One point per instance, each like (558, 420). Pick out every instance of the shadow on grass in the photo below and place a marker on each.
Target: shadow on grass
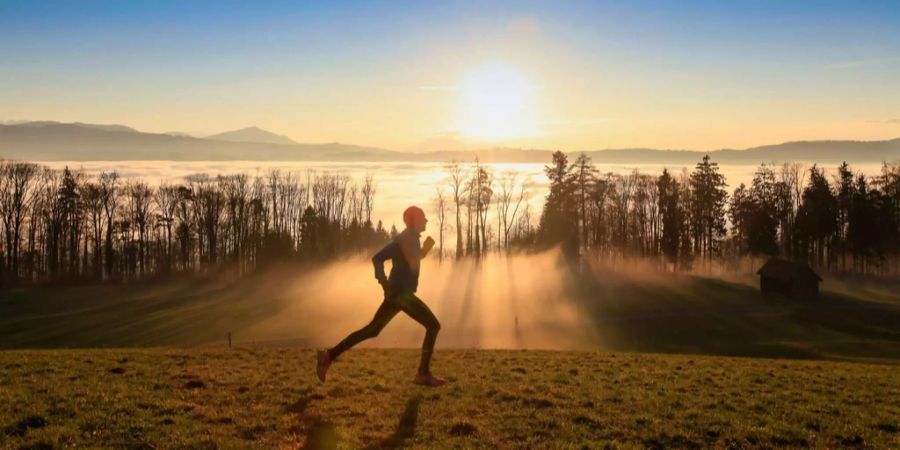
(139, 314)
(322, 434)
(406, 429)
(690, 314)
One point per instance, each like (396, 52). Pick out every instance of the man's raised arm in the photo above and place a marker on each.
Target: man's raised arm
(426, 247)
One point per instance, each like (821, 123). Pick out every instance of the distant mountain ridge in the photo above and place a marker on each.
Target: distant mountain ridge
(55, 141)
(44, 123)
(252, 134)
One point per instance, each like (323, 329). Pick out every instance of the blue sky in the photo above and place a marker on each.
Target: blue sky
(674, 74)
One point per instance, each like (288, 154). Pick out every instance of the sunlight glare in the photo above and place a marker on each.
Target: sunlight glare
(497, 104)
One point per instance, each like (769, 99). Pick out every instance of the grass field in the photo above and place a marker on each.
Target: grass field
(496, 308)
(268, 398)
(643, 359)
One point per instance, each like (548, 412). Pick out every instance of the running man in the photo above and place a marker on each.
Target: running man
(405, 253)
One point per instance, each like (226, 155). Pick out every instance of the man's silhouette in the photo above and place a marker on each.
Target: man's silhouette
(405, 252)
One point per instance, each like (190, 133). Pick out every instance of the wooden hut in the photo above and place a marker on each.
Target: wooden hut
(790, 278)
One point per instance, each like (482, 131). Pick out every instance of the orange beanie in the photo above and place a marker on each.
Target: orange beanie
(411, 214)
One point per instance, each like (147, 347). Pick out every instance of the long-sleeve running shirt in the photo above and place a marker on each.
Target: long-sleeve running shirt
(404, 251)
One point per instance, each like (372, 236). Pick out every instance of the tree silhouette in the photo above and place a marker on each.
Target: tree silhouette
(558, 220)
(65, 226)
(817, 218)
(671, 213)
(707, 207)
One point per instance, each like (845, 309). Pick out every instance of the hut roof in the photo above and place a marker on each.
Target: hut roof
(784, 270)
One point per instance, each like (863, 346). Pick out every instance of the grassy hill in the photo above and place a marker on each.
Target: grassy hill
(853, 319)
(270, 398)
(659, 369)
(660, 313)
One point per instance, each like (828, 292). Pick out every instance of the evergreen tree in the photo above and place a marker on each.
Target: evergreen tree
(669, 209)
(761, 221)
(845, 187)
(817, 218)
(309, 233)
(584, 176)
(558, 220)
(707, 206)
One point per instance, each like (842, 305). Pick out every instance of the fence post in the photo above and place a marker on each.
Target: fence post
(229, 340)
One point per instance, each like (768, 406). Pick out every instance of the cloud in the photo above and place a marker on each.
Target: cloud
(888, 121)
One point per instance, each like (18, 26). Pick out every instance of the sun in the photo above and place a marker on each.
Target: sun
(496, 104)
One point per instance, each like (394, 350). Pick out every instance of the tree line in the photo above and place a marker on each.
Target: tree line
(850, 223)
(66, 226)
(487, 211)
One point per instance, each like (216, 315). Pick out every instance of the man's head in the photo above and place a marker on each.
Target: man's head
(414, 218)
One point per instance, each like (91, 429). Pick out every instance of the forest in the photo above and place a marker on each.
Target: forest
(64, 226)
(846, 224)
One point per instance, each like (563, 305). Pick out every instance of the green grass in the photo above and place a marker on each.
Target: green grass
(126, 315)
(663, 368)
(688, 314)
(269, 398)
(657, 313)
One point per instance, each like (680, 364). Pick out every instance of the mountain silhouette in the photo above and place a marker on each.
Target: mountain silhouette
(45, 123)
(252, 134)
(55, 141)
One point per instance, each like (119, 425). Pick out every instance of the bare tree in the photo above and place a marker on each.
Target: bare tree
(480, 195)
(368, 195)
(16, 195)
(457, 188)
(584, 174)
(166, 200)
(109, 185)
(506, 209)
(139, 200)
(440, 206)
(93, 201)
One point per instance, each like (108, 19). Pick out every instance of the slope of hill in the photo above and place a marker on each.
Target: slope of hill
(252, 134)
(670, 314)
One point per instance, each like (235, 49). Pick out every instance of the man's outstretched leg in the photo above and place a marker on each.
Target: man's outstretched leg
(385, 313)
(419, 311)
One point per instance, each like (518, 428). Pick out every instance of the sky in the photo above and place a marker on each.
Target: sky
(449, 75)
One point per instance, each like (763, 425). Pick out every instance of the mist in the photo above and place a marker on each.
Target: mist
(398, 184)
(499, 301)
